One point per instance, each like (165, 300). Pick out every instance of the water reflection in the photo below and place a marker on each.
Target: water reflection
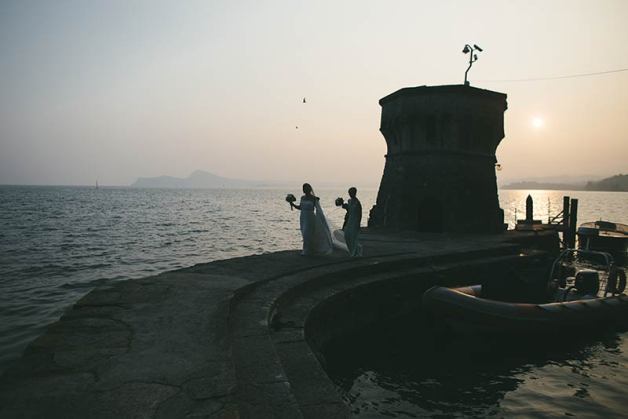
(410, 370)
(593, 205)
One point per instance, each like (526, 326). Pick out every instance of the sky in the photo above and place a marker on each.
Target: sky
(109, 91)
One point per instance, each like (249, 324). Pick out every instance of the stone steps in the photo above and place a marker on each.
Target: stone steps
(278, 373)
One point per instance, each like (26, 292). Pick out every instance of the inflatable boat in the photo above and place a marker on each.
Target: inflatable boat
(576, 303)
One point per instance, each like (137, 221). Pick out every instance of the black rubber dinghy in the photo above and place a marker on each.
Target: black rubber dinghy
(465, 310)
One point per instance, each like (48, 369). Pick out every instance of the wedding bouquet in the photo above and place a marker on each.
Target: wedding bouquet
(290, 199)
(339, 202)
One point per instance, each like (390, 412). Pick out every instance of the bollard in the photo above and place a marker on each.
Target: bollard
(529, 209)
(573, 221)
(565, 221)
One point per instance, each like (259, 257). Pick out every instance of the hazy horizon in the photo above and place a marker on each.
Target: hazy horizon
(264, 183)
(114, 91)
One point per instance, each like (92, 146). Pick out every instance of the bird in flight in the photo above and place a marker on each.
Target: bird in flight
(304, 100)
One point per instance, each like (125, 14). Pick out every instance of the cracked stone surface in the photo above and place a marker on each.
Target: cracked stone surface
(166, 346)
(123, 351)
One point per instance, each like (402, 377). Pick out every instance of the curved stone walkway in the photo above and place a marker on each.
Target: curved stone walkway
(223, 339)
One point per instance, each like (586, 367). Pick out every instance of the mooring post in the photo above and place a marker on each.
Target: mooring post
(573, 222)
(565, 221)
(529, 209)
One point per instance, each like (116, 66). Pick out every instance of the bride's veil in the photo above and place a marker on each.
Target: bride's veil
(332, 237)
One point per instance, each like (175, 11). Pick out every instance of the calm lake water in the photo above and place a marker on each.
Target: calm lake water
(408, 370)
(57, 243)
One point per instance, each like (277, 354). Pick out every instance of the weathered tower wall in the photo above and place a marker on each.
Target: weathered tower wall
(440, 164)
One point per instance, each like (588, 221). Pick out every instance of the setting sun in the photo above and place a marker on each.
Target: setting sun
(313, 208)
(538, 122)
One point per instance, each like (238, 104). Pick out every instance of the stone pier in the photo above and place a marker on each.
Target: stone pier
(241, 337)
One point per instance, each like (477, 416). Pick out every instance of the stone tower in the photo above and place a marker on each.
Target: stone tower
(440, 164)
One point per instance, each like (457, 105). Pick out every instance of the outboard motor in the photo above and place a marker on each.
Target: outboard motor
(587, 282)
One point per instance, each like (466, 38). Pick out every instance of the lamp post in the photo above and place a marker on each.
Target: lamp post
(473, 57)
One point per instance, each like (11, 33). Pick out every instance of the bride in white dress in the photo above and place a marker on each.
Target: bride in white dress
(315, 229)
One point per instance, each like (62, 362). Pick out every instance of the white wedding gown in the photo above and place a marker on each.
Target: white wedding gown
(316, 229)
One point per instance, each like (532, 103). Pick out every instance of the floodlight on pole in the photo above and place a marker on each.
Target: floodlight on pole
(473, 57)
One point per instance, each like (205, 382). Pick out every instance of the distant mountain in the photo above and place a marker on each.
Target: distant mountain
(613, 183)
(617, 183)
(199, 179)
(544, 185)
